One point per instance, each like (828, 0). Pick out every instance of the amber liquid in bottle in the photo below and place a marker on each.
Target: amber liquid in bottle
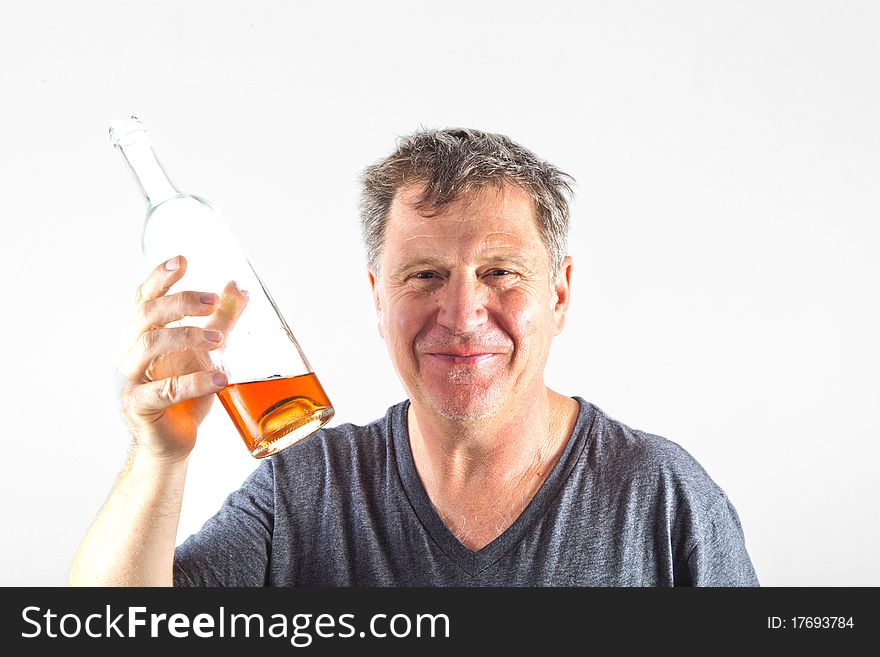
(275, 413)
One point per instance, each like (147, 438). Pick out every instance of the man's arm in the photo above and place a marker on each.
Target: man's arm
(131, 542)
(168, 391)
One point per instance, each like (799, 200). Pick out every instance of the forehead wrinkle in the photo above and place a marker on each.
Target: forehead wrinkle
(496, 245)
(475, 227)
(483, 243)
(418, 237)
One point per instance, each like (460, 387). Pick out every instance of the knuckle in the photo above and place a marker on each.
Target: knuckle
(131, 401)
(170, 388)
(149, 339)
(154, 368)
(186, 302)
(141, 313)
(193, 335)
(190, 305)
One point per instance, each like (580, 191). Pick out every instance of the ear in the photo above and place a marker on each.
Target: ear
(562, 288)
(376, 289)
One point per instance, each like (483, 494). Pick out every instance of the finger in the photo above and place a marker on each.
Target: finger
(156, 344)
(158, 312)
(161, 279)
(158, 395)
(233, 300)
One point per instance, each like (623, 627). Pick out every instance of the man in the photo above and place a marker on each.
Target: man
(483, 476)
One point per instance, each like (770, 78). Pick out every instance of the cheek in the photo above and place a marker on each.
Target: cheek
(525, 318)
(401, 324)
(516, 319)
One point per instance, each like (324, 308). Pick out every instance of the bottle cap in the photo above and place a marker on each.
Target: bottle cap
(125, 131)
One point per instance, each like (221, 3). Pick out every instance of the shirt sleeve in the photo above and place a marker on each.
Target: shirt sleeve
(720, 558)
(232, 548)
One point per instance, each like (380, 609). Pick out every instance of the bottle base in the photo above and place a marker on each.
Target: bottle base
(289, 433)
(275, 413)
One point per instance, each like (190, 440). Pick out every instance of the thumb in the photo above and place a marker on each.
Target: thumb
(233, 300)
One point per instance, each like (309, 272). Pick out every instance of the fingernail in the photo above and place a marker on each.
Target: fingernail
(212, 335)
(207, 298)
(173, 264)
(219, 379)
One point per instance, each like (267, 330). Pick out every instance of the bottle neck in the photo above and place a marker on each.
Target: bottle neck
(146, 168)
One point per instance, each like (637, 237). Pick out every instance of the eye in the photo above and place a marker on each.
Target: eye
(499, 272)
(423, 275)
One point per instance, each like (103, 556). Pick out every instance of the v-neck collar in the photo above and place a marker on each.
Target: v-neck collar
(468, 560)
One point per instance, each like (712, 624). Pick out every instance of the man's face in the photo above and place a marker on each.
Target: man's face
(465, 302)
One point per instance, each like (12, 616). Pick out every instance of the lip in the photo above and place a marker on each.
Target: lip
(462, 359)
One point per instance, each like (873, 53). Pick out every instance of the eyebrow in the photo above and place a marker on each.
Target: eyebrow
(429, 261)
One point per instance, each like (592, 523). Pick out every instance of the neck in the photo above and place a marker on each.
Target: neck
(507, 450)
(480, 477)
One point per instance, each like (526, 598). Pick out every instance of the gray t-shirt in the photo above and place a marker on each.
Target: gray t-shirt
(346, 507)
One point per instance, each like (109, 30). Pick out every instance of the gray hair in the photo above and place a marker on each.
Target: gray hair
(454, 161)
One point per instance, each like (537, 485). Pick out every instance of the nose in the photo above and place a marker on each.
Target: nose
(462, 304)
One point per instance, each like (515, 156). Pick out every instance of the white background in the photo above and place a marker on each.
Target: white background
(725, 230)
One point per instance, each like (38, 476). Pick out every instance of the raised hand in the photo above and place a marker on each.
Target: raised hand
(168, 377)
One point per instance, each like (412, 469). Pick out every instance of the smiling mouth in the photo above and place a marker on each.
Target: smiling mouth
(462, 359)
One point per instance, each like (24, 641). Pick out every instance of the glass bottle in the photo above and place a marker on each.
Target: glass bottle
(273, 396)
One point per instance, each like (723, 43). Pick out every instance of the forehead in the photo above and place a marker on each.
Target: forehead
(493, 217)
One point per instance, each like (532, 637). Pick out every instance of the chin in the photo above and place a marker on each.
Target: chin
(465, 404)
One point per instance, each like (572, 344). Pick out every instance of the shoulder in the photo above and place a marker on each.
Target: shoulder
(658, 482)
(625, 456)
